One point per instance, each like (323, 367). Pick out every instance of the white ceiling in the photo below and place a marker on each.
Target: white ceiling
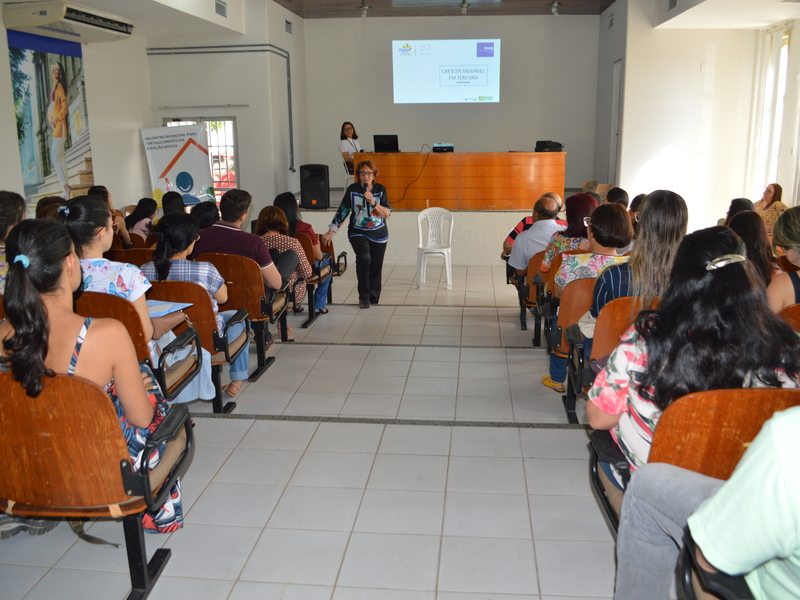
(734, 14)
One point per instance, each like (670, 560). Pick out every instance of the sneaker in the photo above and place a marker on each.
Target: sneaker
(11, 525)
(553, 385)
(363, 303)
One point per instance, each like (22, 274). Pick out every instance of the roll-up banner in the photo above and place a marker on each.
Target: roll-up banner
(178, 160)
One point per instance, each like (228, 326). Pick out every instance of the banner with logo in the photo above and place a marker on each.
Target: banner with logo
(178, 160)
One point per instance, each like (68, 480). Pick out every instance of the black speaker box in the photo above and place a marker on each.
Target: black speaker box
(314, 186)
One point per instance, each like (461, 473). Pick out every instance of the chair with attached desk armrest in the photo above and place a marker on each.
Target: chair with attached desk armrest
(134, 256)
(201, 314)
(172, 377)
(705, 432)
(63, 462)
(246, 290)
(318, 275)
(338, 267)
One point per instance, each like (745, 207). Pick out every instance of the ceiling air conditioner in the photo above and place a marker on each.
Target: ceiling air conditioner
(66, 21)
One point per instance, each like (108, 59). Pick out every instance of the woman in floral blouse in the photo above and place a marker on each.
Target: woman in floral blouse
(714, 330)
(770, 206)
(608, 229)
(577, 207)
(273, 228)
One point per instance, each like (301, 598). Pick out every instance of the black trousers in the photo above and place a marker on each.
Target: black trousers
(369, 267)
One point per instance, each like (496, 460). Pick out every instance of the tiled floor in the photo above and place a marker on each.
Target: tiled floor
(448, 494)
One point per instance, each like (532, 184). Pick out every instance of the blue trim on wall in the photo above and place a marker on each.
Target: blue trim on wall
(30, 41)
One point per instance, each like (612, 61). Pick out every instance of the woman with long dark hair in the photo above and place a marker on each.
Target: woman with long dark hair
(348, 145)
(577, 207)
(57, 118)
(771, 206)
(366, 205)
(177, 234)
(89, 223)
(714, 330)
(752, 230)
(43, 336)
(140, 221)
(288, 204)
(12, 211)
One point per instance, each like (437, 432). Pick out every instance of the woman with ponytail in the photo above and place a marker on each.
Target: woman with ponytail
(89, 222)
(177, 234)
(43, 336)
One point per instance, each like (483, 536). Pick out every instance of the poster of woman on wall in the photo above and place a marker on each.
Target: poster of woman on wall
(50, 107)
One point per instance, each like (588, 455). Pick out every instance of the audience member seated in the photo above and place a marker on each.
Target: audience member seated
(714, 330)
(43, 336)
(737, 205)
(747, 525)
(770, 206)
(617, 195)
(609, 228)
(226, 237)
(12, 211)
(88, 222)
(535, 238)
(177, 234)
(750, 227)
(633, 212)
(785, 287)
(578, 207)
(288, 204)
(101, 192)
(273, 228)
(47, 207)
(662, 225)
(172, 202)
(205, 213)
(140, 221)
(528, 222)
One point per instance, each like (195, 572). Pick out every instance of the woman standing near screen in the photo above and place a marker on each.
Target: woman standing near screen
(348, 145)
(366, 203)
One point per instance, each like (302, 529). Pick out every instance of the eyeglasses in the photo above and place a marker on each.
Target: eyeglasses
(365, 173)
(587, 221)
(114, 228)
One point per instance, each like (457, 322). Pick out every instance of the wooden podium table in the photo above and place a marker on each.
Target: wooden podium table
(468, 181)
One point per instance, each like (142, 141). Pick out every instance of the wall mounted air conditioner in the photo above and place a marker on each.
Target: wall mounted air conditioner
(66, 21)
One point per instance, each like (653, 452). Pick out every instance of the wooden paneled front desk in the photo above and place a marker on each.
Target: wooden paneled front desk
(467, 180)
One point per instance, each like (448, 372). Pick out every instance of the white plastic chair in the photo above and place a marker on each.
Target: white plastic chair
(349, 176)
(440, 233)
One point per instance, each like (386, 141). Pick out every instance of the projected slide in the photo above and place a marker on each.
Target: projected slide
(446, 71)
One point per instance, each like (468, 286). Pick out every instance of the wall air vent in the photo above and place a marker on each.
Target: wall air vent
(221, 8)
(672, 4)
(288, 26)
(610, 21)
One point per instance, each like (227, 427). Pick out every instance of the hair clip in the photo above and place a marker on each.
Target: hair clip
(21, 258)
(64, 209)
(724, 261)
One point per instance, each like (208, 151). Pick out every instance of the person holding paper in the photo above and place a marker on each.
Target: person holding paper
(366, 204)
(177, 234)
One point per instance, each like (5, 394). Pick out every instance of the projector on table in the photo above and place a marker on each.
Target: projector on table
(443, 148)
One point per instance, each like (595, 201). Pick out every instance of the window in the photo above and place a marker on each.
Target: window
(770, 107)
(222, 150)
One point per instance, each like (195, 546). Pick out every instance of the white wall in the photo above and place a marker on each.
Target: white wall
(548, 87)
(611, 49)
(788, 175)
(118, 99)
(249, 86)
(686, 112)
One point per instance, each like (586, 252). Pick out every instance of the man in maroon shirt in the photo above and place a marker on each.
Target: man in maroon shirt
(226, 236)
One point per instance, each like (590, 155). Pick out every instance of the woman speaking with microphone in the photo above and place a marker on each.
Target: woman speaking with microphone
(366, 204)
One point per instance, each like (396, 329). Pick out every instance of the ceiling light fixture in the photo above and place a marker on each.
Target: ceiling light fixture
(463, 6)
(554, 8)
(364, 9)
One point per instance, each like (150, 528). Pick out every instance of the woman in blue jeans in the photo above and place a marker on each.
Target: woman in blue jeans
(177, 234)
